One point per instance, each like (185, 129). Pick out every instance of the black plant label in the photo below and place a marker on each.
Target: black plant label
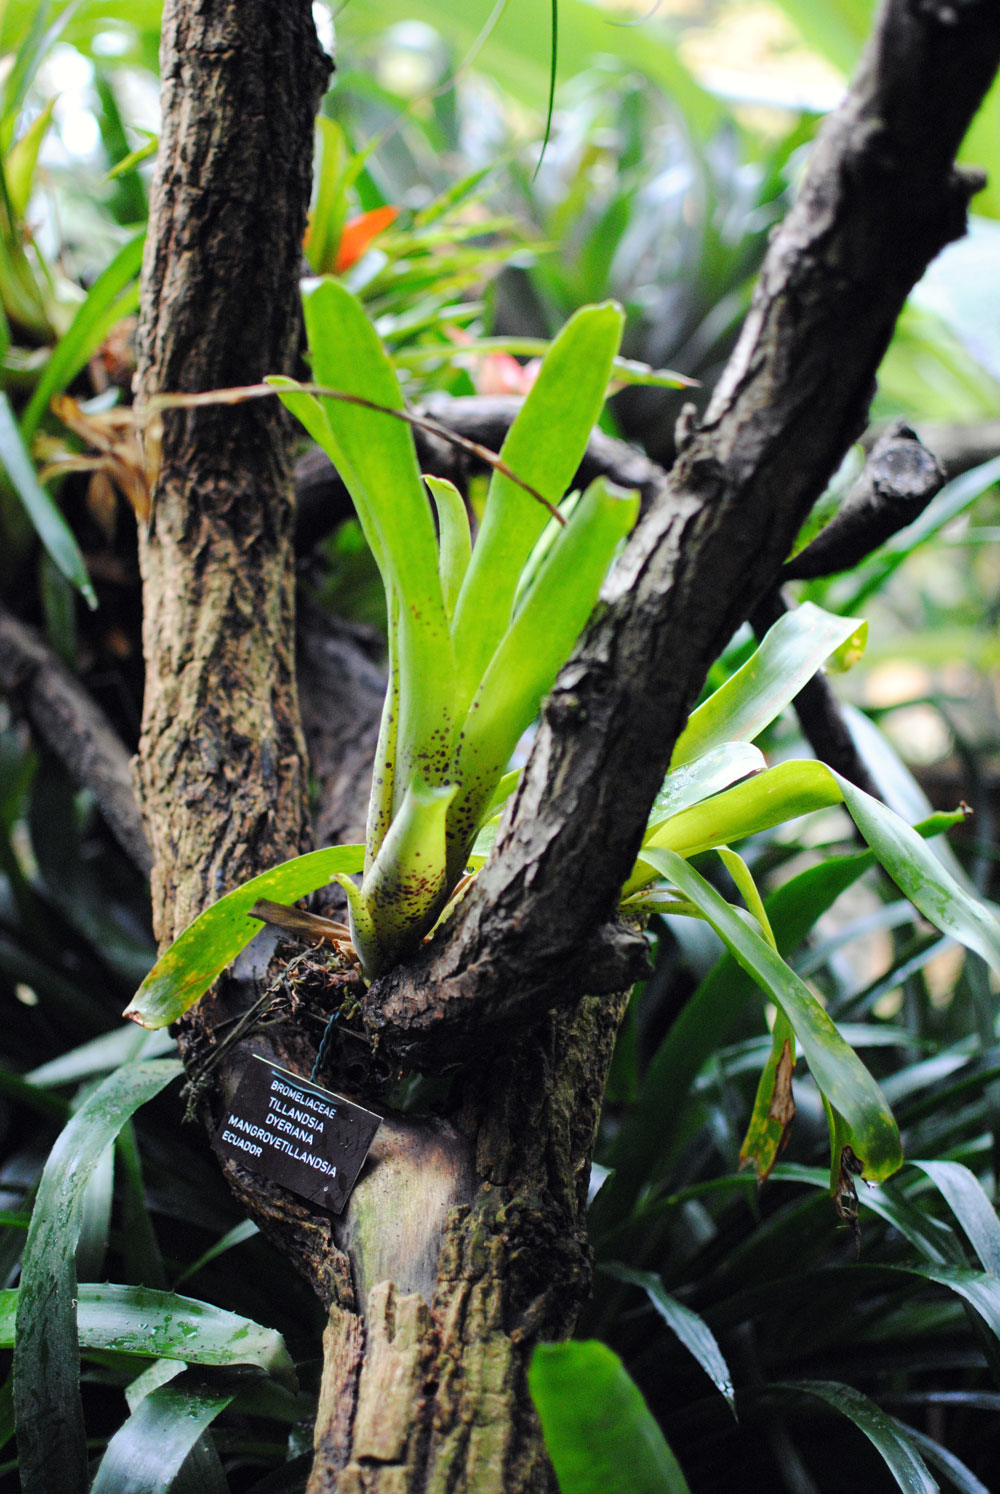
(296, 1133)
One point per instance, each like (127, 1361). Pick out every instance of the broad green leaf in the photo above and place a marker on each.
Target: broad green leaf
(702, 777)
(883, 1431)
(163, 1325)
(184, 972)
(839, 1073)
(921, 877)
(693, 1332)
(649, 1130)
(533, 649)
(406, 888)
(788, 657)
(50, 526)
(46, 1351)
(113, 295)
(375, 456)
(544, 447)
(599, 1432)
(969, 1202)
(772, 797)
(148, 1452)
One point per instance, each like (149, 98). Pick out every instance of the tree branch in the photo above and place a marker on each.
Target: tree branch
(880, 199)
(75, 729)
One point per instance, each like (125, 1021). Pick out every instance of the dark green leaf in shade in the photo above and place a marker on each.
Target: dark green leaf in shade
(147, 1453)
(692, 1330)
(883, 1431)
(46, 1352)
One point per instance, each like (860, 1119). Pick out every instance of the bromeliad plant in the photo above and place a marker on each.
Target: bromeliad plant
(477, 634)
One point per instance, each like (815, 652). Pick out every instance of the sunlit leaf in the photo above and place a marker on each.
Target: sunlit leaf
(599, 1432)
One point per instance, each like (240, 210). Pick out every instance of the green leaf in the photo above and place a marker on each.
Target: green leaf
(971, 1205)
(46, 1351)
(772, 797)
(533, 649)
(623, 370)
(839, 1074)
(921, 877)
(455, 539)
(50, 526)
(326, 220)
(693, 1332)
(599, 1432)
(184, 972)
(245, 1230)
(163, 1325)
(375, 455)
(113, 295)
(148, 1452)
(884, 1432)
(702, 777)
(788, 657)
(544, 447)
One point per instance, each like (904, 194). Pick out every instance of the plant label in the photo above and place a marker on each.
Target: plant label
(298, 1134)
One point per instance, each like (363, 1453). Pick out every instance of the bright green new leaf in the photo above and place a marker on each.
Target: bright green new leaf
(693, 1332)
(599, 1432)
(454, 537)
(772, 797)
(184, 972)
(702, 777)
(22, 159)
(533, 649)
(52, 529)
(375, 455)
(788, 657)
(544, 447)
(138, 1320)
(46, 1352)
(839, 1073)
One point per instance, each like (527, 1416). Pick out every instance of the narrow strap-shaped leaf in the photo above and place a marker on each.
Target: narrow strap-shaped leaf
(544, 447)
(693, 1332)
(532, 651)
(917, 873)
(788, 657)
(454, 537)
(50, 526)
(599, 1432)
(702, 777)
(108, 300)
(971, 1205)
(149, 1450)
(184, 972)
(836, 1068)
(46, 1351)
(883, 1431)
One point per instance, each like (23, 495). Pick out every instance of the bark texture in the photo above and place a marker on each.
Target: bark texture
(221, 762)
(465, 1242)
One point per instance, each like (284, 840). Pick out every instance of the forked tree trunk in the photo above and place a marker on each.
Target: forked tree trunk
(465, 1241)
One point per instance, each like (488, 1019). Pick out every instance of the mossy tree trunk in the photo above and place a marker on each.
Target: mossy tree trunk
(465, 1242)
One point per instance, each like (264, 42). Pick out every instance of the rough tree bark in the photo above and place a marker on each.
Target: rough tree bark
(465, 1241)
